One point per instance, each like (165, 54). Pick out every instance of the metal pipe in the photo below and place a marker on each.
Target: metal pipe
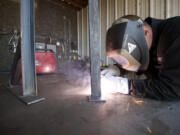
(94, 41)
(69, 38)
(27, 48)
(65, 37)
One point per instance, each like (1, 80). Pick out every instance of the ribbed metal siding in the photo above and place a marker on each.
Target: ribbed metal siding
(113, 9)
(174, 7)
(79, 30)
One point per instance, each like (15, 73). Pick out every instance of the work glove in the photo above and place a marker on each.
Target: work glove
(112, 70)
(114, 84)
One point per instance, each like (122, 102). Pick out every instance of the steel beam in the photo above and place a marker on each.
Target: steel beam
(29, 94)
(94, 41)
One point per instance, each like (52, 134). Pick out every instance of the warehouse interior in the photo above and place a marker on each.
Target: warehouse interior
(60, 98)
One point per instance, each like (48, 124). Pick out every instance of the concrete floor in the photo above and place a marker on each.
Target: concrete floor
(66, 111)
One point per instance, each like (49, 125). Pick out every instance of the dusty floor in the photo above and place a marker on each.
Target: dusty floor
(66, 111)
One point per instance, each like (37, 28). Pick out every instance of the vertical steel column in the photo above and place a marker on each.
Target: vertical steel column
(28, 52)
(27, 47)
(94, 41)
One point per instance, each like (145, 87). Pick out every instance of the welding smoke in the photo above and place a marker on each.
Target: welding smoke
(77, 72)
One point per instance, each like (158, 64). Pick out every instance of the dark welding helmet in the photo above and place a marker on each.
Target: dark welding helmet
(126, 45)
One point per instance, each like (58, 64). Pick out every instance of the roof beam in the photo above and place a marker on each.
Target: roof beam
(84, 2)
(74, 3)
(64, 3)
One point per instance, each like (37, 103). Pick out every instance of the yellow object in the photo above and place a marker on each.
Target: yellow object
(138, 102)
(62, 49)
(74, 57)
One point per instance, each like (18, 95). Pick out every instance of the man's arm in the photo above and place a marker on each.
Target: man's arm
(166, 84)
(159, 88)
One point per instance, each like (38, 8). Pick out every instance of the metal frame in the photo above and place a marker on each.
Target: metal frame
(94, 42)
(29, 93)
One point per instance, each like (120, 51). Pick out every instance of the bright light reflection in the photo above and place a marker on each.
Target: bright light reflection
(107, 87)
(47, 68)
(86, 91)
(138, 102)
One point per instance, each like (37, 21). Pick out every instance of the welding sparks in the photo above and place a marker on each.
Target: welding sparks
(139, 102)
(149, 130)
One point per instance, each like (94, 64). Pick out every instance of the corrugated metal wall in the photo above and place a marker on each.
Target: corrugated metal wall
(113, 9)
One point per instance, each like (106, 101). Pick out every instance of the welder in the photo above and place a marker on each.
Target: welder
(150, 47)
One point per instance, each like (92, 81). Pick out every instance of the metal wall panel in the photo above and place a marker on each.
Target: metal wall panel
(84, 31)
(110, 19)
(119, 8)
(103, 27)
(157, 8)
(130, 7)
(79, 25)
(143, 8)
(87, 33)
(113, 9)
(110, 12)
(174, 7)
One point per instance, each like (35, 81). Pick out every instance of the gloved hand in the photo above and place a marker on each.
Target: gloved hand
(114, 84)
(112, 70)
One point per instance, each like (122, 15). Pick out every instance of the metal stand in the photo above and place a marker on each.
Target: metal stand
(94, 36)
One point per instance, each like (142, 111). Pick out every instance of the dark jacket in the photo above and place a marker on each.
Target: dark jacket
(164, 62)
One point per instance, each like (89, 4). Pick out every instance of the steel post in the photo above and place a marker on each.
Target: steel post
(94, 41)
(28, 53)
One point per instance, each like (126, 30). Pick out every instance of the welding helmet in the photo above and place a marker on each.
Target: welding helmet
(126, 44)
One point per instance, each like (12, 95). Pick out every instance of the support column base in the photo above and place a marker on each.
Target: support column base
(96, 99)
(28, 100)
